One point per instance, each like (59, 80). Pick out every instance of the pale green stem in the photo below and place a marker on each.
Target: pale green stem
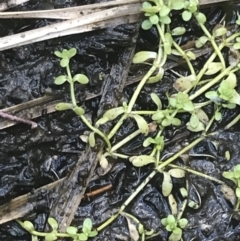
(74, 103)
(184, 55)
(120, 155)
(125, 140)
(136, 94)
(153, 151)
(158, 157)
(233, 122)
(210, 123)
(147, 180)
(174, 157)
(188, 169)
(216, 48)
(143, 112)
(210, 84)
(134, 194)
(117, 126)
(88, 124)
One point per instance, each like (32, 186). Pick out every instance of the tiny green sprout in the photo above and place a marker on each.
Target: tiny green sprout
(226, 95)
(237, 44)
(191, 7)
(164, 118)
(174, 226)
(158, 142)
(181, 102)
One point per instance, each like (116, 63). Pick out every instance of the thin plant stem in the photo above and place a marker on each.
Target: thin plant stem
(210, 84)
(184, 55)
(72, 92)
(175, 156)
(216, 48)
(147, 180)
(233, 122)
(125, 140)
(84, 119)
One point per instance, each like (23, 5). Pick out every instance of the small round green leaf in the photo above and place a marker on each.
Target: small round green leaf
(51, 237)
(183, 223)
(82, 237)
(79, 110)
(171, 219)
(63, 106)
(236, 46)
(71, 230)
(58, 54)
(228, 175)
(165, 20)
(193, 204)
(139, 161)
(72, 52)
(201, 41)
(60, 80)
(146, 5)
(164, 222)
(213, 68)
(166, 122)
(93, 233)
(154, 19)
(28, 226)
(178, 31)
(167, 184)
(81, 79)
(177, 231)
(177, 173)
(64, 62)
(91, 139)
(87, 223)
(220, 32)
(176, 122)
(201, 17)
(194, 121)
(143, 56)
(191, 55)
(175, 237)
(183, 192)
(218, 116)
(146, 24)
(177, 4)
(186, 15)
(53, 223)
(165, 10)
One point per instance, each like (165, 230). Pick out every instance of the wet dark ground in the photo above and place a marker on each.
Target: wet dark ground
(30, 158)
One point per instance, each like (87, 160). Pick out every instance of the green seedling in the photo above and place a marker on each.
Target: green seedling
(71, 232)
(174, 226)
(65, 57)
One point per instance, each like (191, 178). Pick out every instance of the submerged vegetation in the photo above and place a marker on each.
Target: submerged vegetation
(215, 82)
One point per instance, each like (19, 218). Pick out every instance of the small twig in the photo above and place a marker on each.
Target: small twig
(18, 119)
(98, 191)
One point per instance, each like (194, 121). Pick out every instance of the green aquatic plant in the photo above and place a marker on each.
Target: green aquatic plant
(174, 226)
(71, 232)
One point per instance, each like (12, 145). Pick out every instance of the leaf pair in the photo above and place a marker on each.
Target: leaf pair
(167, 184)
